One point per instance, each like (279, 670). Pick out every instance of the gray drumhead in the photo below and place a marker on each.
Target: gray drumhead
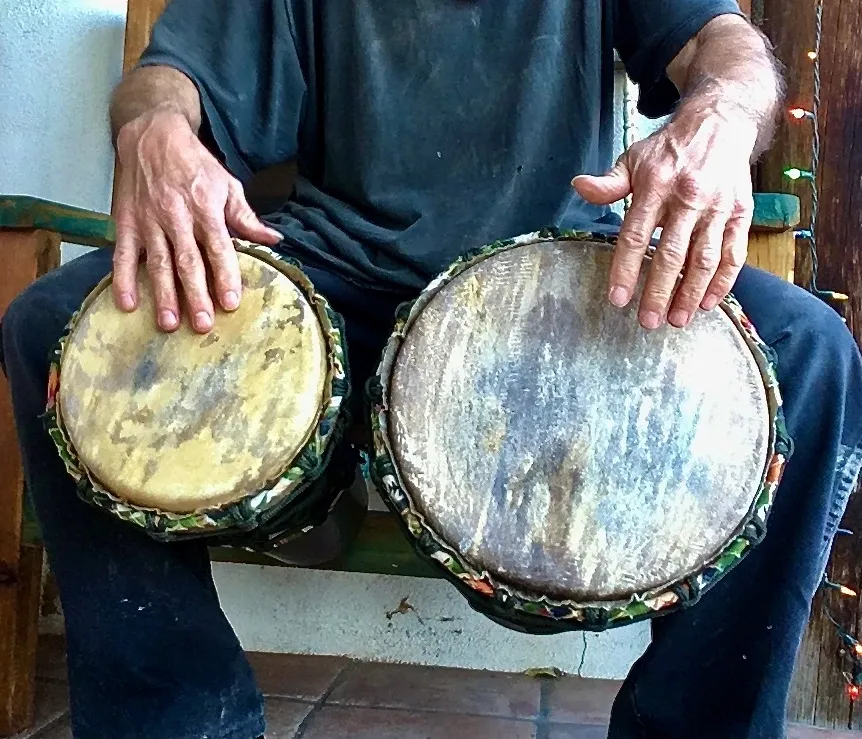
(551, 440)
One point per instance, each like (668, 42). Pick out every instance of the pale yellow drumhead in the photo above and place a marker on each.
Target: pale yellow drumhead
(180, 422)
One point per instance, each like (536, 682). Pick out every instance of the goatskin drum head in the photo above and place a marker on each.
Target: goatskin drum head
(555, 444)
(182, 421)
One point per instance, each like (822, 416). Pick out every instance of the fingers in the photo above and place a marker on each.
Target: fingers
(607, 189)
(242, 219)
(734, 250)
(634, 237)
(667, 263)
(703, 260)
(126, 257)
(160, 268)
(191, 271)
(223, 263)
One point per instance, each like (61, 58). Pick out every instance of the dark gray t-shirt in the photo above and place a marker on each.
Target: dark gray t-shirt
(422, 128)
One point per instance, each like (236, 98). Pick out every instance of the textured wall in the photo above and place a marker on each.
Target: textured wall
(59, 60)
(346, 614)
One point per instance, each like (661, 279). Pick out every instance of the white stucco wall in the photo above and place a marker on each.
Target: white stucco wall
(58, 62)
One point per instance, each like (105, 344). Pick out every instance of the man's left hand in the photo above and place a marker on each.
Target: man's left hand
(691, 178)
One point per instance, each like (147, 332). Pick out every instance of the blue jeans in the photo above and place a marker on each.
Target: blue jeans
(151, 655)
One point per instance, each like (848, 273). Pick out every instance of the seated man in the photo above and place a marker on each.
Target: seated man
(423, 129)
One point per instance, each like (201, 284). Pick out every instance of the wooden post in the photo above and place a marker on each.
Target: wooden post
(141, 16)
(819, 689)
(771, 239)
(26, 255)
(773, 252)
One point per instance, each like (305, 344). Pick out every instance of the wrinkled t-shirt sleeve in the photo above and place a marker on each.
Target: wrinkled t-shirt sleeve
(648, 34)
(243, 60)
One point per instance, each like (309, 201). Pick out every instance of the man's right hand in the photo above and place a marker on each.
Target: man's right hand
(177, 206)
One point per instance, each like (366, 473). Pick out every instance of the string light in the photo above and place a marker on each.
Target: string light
(851, 649)
(810, 175)
(852, 646)
(843, 589)
(800, 113)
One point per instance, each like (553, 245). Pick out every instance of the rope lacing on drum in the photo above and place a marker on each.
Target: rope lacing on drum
(686, 591)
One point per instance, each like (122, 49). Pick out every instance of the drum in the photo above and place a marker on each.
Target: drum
(228, 435)
(563, 467)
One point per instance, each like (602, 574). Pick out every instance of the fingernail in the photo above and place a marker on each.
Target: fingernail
(231, 300)
(678, 318)
(650, 319)
(275, 234)
(619, 296)
(203, 321)
(167, 319)
(126, 301)
(709, 302)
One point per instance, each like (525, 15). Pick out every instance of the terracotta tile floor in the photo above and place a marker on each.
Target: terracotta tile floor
(331, 698)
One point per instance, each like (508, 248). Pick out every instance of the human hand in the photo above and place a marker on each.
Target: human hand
(692, 178)
(175, 204)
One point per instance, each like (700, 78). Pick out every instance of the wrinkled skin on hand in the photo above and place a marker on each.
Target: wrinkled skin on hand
(692, 179)
(177, 206)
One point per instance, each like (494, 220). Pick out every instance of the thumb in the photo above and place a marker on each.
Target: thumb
(606, 189)
(243, 221)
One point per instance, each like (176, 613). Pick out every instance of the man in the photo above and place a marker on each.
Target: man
(423, 128)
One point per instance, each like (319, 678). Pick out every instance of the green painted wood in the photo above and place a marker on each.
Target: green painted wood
(74, 225)
(380, 548)
(774, 211)
(30, 533)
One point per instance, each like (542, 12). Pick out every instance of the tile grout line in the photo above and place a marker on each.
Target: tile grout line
(440, 711)
(53, 723)
(542, 721)
(435, 712)
(339, 679)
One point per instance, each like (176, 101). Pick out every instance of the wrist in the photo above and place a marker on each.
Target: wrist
(733, 108)
(718, 119)
(162, 119)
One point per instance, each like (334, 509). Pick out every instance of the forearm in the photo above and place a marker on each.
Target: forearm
(148, 90)
(730, 71)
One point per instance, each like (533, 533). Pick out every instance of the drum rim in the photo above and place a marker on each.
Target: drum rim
(506, 598)
(244, 513)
